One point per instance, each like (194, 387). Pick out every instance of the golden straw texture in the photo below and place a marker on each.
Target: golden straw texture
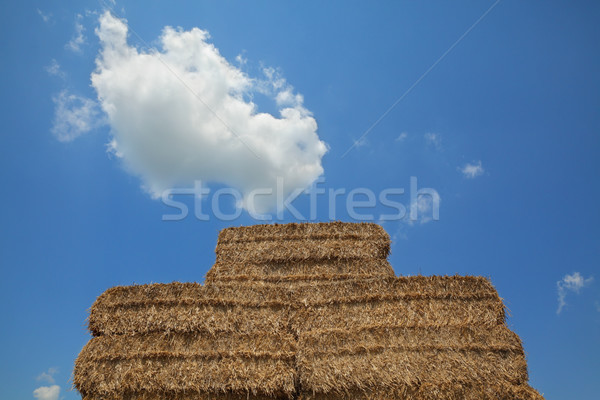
(303, 311)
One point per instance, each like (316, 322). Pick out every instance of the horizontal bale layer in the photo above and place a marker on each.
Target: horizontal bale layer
(408, 313)
(184, 307)
(328, 269)
(188, 318)
(313, 293)
(396, 368)
(301, 250)
(374, 289)
(189, 395)
(293, 278)
(379, 338)
(118, 294)
(234, 293)
(445, 283)
(433, 391)
(295, 231)
(349, 313)
(192, 345)
(113, 378)
(294, 293)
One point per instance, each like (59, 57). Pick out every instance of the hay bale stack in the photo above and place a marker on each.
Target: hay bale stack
(310, 311)
(413, 338)
(185, 340)
(301, 252)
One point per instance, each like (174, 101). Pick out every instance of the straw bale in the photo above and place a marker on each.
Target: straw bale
(303, 231)
(397, 368)
(261, 363)
(383, 289)
(188, 318)
(259, 376)
(307, 270)
(301, 250)
(396, 358)
(433, 391)
(302, 242)
(405, 301)
(177, 395)
(409, 313)
(251, 295)
(189, 307)
(192, 344)
(382, 337)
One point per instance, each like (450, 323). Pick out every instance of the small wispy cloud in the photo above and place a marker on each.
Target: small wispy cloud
(434, 140)
(47, 392)
(73, 116)
(78, 38)
(402, 137)
(399, 235)
(570, 283)
(54, 69)
(46, 17)
(241, 60)
(472, 170)
(420, 211)
(597, 304)
(47, 376)
(360, 142)
(425, 208)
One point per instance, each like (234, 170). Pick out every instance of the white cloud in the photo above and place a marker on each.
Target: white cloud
(574, 283)
(47, 392)
(46, 17)
(420, 211)
(241, 60)
(473, 170)
(48, 376)
(402, 137)
(275, 86)
(425, 208)
(180, 114)
(434, 139)
(54, 69)
(78, 38)
(73, 116)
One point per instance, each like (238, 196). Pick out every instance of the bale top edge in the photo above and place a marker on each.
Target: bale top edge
(278, 231)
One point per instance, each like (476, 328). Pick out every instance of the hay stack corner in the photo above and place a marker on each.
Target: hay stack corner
(303, 311)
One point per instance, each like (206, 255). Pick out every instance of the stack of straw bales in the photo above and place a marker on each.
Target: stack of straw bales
(303, 311)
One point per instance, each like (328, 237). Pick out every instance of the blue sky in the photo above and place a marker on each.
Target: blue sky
(505, 128)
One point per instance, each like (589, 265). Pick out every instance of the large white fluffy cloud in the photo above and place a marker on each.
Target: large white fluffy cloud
(183, 113)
